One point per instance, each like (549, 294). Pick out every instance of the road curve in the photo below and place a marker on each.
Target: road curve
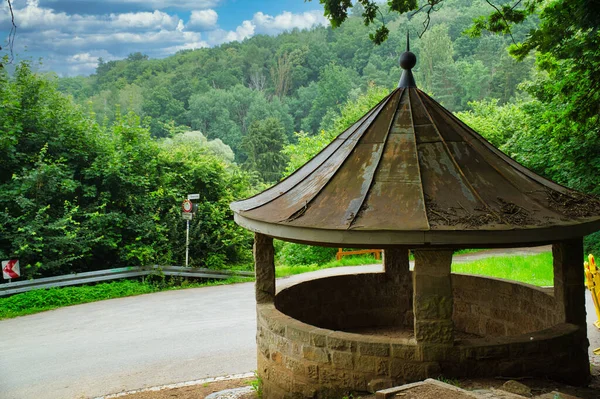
(123, 344)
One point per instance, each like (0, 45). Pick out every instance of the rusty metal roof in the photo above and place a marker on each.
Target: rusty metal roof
(411, 173)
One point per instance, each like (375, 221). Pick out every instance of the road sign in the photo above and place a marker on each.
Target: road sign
(187, 206)
(193, 196)
(10, 269)
(187, 215)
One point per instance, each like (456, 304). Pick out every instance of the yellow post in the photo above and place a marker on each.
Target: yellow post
(592, 281)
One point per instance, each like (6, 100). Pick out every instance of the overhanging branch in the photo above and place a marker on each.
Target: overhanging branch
(10, 42)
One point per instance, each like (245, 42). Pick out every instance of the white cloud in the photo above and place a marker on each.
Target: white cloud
(264, 23)
(179, 4)
(144, 20)
(33, 17)
(220, 36)
(45, 30)
(93, 6)
(82, 58)
(71, 43)
(77, 64)
(202, 20)
(186, 46)
(286, 21)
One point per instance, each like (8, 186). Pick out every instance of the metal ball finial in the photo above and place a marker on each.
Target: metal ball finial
(408, 60)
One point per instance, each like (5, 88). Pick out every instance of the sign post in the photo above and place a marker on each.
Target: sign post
(187, 214)
(10, 269)
(187, 243)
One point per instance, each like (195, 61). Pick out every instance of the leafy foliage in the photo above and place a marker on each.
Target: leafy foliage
(263, 144)
(298, 254)
(77, 196)
(315, 82)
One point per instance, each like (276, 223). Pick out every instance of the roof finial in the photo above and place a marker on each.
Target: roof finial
(407, 62)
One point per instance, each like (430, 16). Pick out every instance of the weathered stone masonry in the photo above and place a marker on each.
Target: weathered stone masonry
(297, 359)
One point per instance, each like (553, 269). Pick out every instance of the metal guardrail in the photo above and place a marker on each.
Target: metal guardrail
(115, 274)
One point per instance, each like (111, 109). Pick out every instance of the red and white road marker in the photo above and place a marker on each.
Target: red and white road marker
(10, 269)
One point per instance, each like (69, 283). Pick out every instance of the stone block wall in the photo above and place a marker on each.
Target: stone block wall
(491, 307)
(297, 360)
(303, 359)
(482, 306)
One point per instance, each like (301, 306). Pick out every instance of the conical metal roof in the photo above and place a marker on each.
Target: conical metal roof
(411, 173)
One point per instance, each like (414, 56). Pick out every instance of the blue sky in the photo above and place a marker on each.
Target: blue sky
(70, 35)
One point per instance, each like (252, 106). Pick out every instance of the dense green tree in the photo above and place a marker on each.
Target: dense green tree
(76, 196)
(227, 114)
(160, 106)
(332, 89)
(289, 70)
(307, 146)
(263, 144)
(131, 98)
(436, 51)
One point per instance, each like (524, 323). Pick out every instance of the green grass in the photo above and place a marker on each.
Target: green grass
(531, 269)
(41, 300)
(285, 270)
(257, 385)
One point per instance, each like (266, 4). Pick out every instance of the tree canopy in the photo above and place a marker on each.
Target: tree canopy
(77, 196)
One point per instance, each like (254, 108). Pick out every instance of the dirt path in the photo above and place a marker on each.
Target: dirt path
(488, 253)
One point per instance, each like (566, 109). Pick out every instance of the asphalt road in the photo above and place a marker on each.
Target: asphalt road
(130, 343)
(123, 344)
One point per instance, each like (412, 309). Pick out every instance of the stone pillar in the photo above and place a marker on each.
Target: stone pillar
(569, 292)
(569, 287)
(433, 303)
(396, 264)
(264, 267)
(398, 279)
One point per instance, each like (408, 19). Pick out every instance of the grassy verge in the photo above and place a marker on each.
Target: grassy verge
(531, 269)
(285, 270)
(41, 300)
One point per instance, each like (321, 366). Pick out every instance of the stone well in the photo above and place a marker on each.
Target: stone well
(410, 175)
(327, 337)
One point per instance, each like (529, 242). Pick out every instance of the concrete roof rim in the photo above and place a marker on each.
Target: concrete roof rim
(414, 239)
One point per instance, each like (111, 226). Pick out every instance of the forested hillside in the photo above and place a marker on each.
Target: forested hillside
(299, 80)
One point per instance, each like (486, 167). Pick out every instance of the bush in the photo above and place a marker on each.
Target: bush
(297, 254)
(77, 196)
(591, 244)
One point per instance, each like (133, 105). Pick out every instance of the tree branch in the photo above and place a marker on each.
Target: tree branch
(504, 19)
(11, 33)
(430, 7)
